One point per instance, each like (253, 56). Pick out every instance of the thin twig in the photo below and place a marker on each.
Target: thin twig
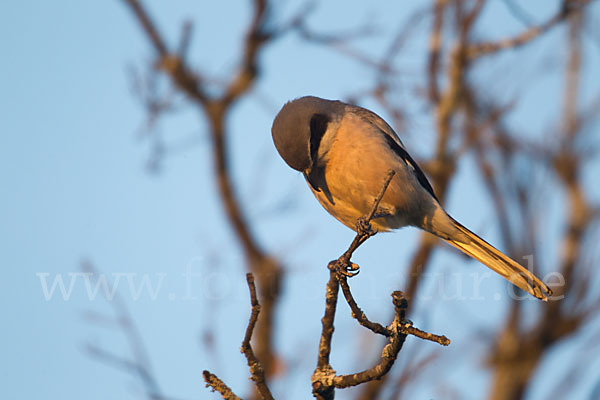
(185, 40)
(256, 369)
(363, 229)
(217, 384)
(139, 365)
(253, 315)
(358, 314)
(519, 13)
(484, 48)
(375, 205)
(151, 31)
(435, 45)
(414, 331)
(375, 327)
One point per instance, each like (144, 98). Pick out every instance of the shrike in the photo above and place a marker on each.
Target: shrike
(345, 153)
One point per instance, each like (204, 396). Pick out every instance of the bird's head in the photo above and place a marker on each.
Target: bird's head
(299, 127)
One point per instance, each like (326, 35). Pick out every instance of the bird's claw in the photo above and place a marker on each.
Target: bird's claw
(346, 269)
(349, 270)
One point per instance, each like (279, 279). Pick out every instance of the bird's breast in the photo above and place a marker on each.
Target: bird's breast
(352, 174)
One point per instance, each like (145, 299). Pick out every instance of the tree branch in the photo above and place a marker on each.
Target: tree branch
(217, 384)
(389, 352)
(148, 26)
(480, 49)
(216, 109)
(256, 369)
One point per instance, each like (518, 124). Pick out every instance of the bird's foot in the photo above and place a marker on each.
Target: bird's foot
(344, 268)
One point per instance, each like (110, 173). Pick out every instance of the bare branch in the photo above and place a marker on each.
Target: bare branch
(256, 37)
(133, 367)
(139, 365)
(148, 26)
(184, 41)
(256, 369)
(217, 384)
(517, 11)
(331, 296)
(358, 314)
(435, 45)
(485, 48)
(421, 334)
(388, 354)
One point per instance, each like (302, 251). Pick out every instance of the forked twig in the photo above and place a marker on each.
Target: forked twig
(256, 369)
(375, 327)
(388, 354)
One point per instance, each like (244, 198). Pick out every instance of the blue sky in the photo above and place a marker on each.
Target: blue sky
(76, 187)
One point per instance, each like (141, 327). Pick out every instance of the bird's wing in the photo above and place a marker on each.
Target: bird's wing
(396, 145)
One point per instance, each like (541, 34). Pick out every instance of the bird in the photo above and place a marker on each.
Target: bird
(345, 152)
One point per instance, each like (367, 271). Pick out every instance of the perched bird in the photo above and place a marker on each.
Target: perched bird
(345, 153)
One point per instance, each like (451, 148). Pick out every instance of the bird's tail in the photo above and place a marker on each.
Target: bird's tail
(474, 246)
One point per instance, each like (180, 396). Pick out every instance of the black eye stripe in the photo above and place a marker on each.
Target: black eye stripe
(318, 127)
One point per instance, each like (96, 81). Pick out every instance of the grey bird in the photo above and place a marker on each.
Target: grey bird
(345, 152)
